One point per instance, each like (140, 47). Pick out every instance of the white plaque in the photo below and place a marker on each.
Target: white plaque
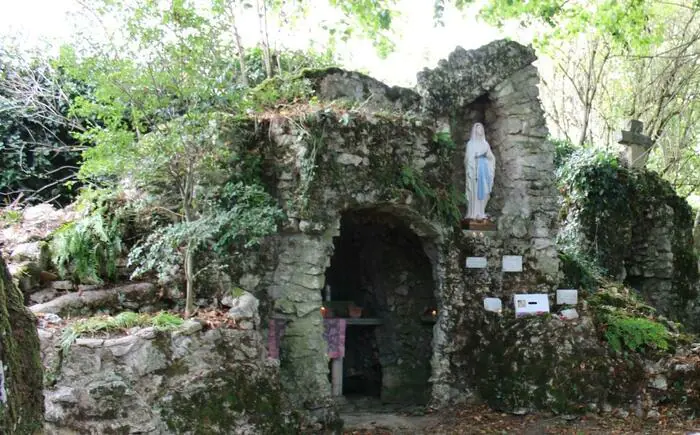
(567, 297)
(570, 314)
(493, 304)
(476, 262)
(528, 305)
(512, 263)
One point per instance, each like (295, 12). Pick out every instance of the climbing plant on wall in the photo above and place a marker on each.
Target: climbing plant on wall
(605, 203)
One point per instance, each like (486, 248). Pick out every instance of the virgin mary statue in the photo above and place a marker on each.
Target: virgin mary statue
(480, 165)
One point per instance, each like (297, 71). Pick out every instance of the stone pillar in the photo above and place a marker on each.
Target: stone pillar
(296, 290)
(636, 143)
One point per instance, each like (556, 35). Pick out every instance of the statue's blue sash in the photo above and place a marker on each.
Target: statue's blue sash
(483, 177)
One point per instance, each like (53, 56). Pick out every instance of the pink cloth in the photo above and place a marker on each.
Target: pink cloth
(274, 336)
(334, 334)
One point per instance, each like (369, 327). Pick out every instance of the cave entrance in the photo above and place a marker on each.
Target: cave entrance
(381, 281)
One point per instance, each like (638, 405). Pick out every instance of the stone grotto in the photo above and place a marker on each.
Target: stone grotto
(374, 287)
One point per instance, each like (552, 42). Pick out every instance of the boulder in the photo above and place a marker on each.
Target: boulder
(26, 275)
(243, 307)
(189, 380)
(38, 222)
(37, 252)
(43, 296)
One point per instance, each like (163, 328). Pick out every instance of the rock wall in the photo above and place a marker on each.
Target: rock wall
(662, 263)
(638, 231)
(190, 380)
(356, 166)
(327, 164)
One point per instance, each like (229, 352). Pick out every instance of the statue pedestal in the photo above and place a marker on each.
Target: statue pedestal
(478, 225)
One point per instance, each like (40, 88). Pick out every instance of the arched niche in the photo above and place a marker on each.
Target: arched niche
(383, 266)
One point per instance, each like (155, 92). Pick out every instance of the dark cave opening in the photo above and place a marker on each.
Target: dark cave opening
(379, 265)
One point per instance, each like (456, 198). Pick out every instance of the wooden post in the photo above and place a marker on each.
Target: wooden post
(337, 377)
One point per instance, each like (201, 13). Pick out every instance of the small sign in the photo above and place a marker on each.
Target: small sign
(512, 263)
(493, 304)
(567, 297)
(530, 305)
(570, 314)
(476, 262)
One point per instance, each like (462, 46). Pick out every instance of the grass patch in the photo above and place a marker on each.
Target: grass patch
(121, 322)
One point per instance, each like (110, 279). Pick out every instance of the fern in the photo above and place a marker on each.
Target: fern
(87, 250)
(635, 333)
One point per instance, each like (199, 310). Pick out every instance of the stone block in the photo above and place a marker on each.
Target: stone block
(349, 159)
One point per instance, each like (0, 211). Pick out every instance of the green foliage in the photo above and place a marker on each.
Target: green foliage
(596, 196)
(579, 270)
(237, 218)
(87, 250)
(163, 321)
(412, 180)
(161, 116)
(373, 17)
(280, 90)
(629, 23)
(627, 323)
(37, 152)
(309, 163)
(606, 203)
(635, 333)
(287, 63)
(563, 150)
(444, 140)
(442, 202)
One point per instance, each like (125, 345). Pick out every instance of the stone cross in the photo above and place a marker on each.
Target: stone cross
(636, 143)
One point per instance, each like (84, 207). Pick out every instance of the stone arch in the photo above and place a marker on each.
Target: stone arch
(385, 261)
(297, 289)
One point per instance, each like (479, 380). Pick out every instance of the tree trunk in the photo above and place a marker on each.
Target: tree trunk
(264, 40)
(241, 50)
(696, 233)
(189, 278)
(21, 376)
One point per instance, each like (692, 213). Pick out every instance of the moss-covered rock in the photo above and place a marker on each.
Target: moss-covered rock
(214, 403)
(631, 226)
(189, 381)
(548, 363)
(21, 401)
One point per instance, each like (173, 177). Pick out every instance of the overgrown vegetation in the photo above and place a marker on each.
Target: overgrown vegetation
(627, 323)
(605, 205)
(606, 208)
(172, 135)
(122, 322)
(87, 250)
(635, 333)
(38, 154)
(442, 202)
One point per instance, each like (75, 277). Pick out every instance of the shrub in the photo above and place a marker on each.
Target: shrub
(635, 333)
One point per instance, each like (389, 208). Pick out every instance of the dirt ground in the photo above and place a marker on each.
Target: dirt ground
(482, 420)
